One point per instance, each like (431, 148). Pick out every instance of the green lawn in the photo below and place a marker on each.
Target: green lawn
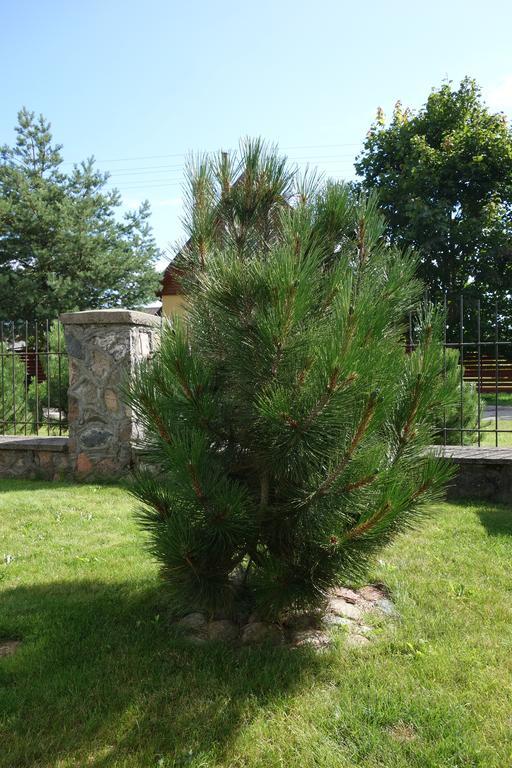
(99, 681)
(504, 398)
(489, 438)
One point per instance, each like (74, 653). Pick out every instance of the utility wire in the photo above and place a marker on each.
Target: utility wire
(185, 154)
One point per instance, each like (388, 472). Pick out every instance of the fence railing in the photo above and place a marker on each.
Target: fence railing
(479, 331)
(34, 375)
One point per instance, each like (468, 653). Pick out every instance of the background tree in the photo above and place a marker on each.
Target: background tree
(444, 177)
(285, 420)
(63, 245)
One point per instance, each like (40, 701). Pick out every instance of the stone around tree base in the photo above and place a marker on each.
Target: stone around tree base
(193, 623)
(346, 608)
(259, 632)
(315, 638)
(223, 631)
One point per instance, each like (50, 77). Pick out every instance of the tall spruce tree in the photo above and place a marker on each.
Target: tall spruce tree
(62, 245)
(286, 423)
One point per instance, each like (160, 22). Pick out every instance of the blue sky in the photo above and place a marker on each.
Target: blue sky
(140, 84)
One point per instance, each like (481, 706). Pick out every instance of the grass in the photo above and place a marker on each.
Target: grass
(488, 439)
(504, 398)
(100, 681)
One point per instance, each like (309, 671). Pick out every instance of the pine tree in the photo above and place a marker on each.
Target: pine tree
(62, 245)
(285, 424)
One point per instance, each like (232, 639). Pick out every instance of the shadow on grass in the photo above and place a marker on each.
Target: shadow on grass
(497, 520)
(99, 677)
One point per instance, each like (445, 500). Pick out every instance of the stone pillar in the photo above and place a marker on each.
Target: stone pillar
(104, 347)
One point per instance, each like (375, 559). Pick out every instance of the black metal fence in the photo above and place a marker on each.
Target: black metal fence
(479, 331)
(34, 374)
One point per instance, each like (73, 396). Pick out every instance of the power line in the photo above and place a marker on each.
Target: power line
(141, 170)
(178, 183)
(185, 154)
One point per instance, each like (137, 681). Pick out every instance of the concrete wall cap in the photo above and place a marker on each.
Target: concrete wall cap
(33, 443)
(110, 317)
(470, 454)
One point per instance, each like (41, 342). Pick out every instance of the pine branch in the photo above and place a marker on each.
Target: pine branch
(196, 485)
(183, 381)
(366, 418)
(264, 490)
(292, 290)
(360, 483)
(154, 415)
(363, 528)
(333, 386)
(406, 429)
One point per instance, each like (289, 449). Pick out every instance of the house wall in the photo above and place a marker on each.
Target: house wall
(173, 305)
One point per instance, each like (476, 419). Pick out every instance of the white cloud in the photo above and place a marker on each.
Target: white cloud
(499, 96)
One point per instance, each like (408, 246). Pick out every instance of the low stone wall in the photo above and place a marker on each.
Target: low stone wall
(482, 473)
(45, 458)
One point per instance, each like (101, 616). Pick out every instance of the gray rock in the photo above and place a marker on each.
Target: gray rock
(74, 346)
(196, 639)
(386, 606)
(193, 623)
(259, 632)
(340, 607)
(349, 595)
(332, 619)
(222, 630)
(93, 438)
(300, 621)
(372, 593)
(309, 637)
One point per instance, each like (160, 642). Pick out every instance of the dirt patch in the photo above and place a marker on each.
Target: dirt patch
(8, 647)
(402, 732)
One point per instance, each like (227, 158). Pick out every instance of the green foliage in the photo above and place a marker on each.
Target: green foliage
(62, 245)
(16, 416)
(444, 177)
(52, 392)
(461, 414)
(286, 417)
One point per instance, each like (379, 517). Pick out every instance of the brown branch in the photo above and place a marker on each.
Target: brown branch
(333, 385)
(354, 443)
(406, 430)
(196, 485)
(363, 528)
(286, 329)
(359, 483)
(264, 490)
(164, 434)
(184, 383)
(422, 489)
(191, 565)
